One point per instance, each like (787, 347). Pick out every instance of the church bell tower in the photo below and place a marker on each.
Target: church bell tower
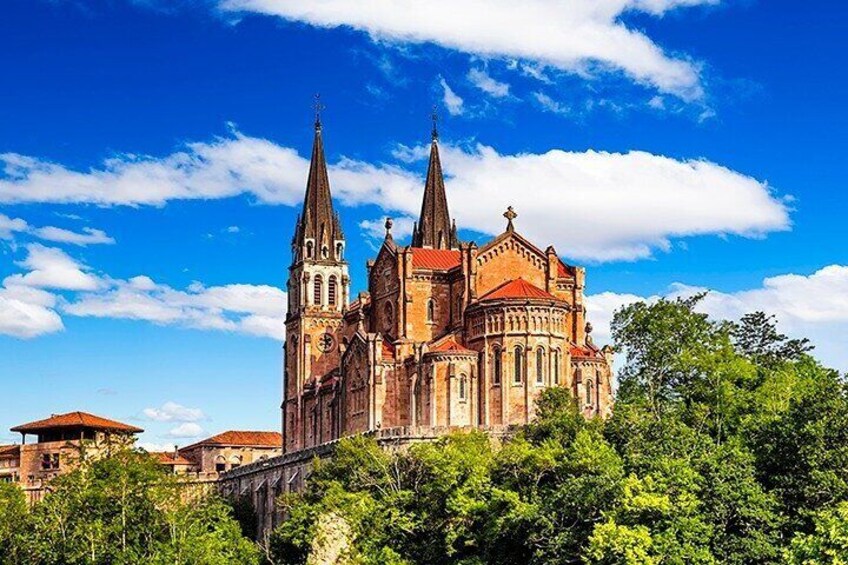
(318, 288)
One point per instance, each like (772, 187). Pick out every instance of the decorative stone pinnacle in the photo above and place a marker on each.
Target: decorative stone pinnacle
(318, 108)
(435, 117)
(510, 215)
(389, 224)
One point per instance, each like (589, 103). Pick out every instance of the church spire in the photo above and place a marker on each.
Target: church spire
(318, 232)
(434, 228)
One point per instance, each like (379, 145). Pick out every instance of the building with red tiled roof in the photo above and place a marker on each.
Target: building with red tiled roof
(231, 449)
(59, 440)
(448, 333)
(10, 463)
(75, 421)
(174, 462)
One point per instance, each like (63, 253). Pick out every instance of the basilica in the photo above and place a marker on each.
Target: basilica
(448, 335)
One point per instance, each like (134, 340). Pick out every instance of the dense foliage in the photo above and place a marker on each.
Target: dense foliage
(728, 444)
(120, 509)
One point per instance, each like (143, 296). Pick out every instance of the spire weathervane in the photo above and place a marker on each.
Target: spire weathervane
(510, 215)
(435, 117)
(318, 108)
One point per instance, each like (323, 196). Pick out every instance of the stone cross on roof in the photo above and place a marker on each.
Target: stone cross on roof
(510, 215)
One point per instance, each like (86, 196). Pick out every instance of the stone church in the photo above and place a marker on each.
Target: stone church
(449, 334)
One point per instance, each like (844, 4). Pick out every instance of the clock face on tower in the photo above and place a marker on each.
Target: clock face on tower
(326, 342)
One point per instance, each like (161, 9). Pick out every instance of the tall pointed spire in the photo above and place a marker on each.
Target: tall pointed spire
(319, 229)
(434, 228)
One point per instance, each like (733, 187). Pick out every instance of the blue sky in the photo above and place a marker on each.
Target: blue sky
(152, 160)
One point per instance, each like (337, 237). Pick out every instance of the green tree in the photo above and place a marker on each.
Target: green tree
(14, 523)
(124, 509)
(827, 545)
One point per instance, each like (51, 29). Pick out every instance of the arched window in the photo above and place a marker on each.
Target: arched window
(331, 291)
(235, 462)
(589, 393)
(518, 370)
(431, 310)
(555, 365)
(463, 387)
(309, 246)
(318, 290)
(325, 252)
(220, 464)
(339, 248)
(496, 366)
(540, 366)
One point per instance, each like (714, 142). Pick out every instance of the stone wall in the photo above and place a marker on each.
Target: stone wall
(260, 483)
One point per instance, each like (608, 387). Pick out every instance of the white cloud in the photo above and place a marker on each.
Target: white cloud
(89, 236)
(451, 100)
(605, 206)
(28, 312)
(10, 226)
(591, 205)
(549, 104)
(152, 447)
(186, 430)
(251, 309)
(219, 169)
(813, 306)
(375, 230)
(233, 229)
(49, 267)
(481, 79)
(173, 412)
(579, 36)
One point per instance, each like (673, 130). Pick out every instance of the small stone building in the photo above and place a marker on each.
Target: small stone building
(230, 450)
(60, 441)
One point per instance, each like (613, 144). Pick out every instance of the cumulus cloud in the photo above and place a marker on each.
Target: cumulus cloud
(10, 226)
(186, 430)
(89, 236)
(152, 447)
(579, 36)
(251, 309)
(481, 79)
(375, 230)
(218, 169)
(452, 101)
(27, 310)
(173, 412)
(813, 306)
(591, 205)
(49, 267)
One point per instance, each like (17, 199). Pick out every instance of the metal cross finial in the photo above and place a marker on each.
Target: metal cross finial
(318, 108)
(435, 117)
(510, 215)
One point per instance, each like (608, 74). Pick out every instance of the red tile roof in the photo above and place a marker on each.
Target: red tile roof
(448, 344)
(517, 288)
(388, 350)
(563, 270)
(169, 458)
(10, 451)
(584, 352)
(435, 259)
(76, 420)
(242, 439)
